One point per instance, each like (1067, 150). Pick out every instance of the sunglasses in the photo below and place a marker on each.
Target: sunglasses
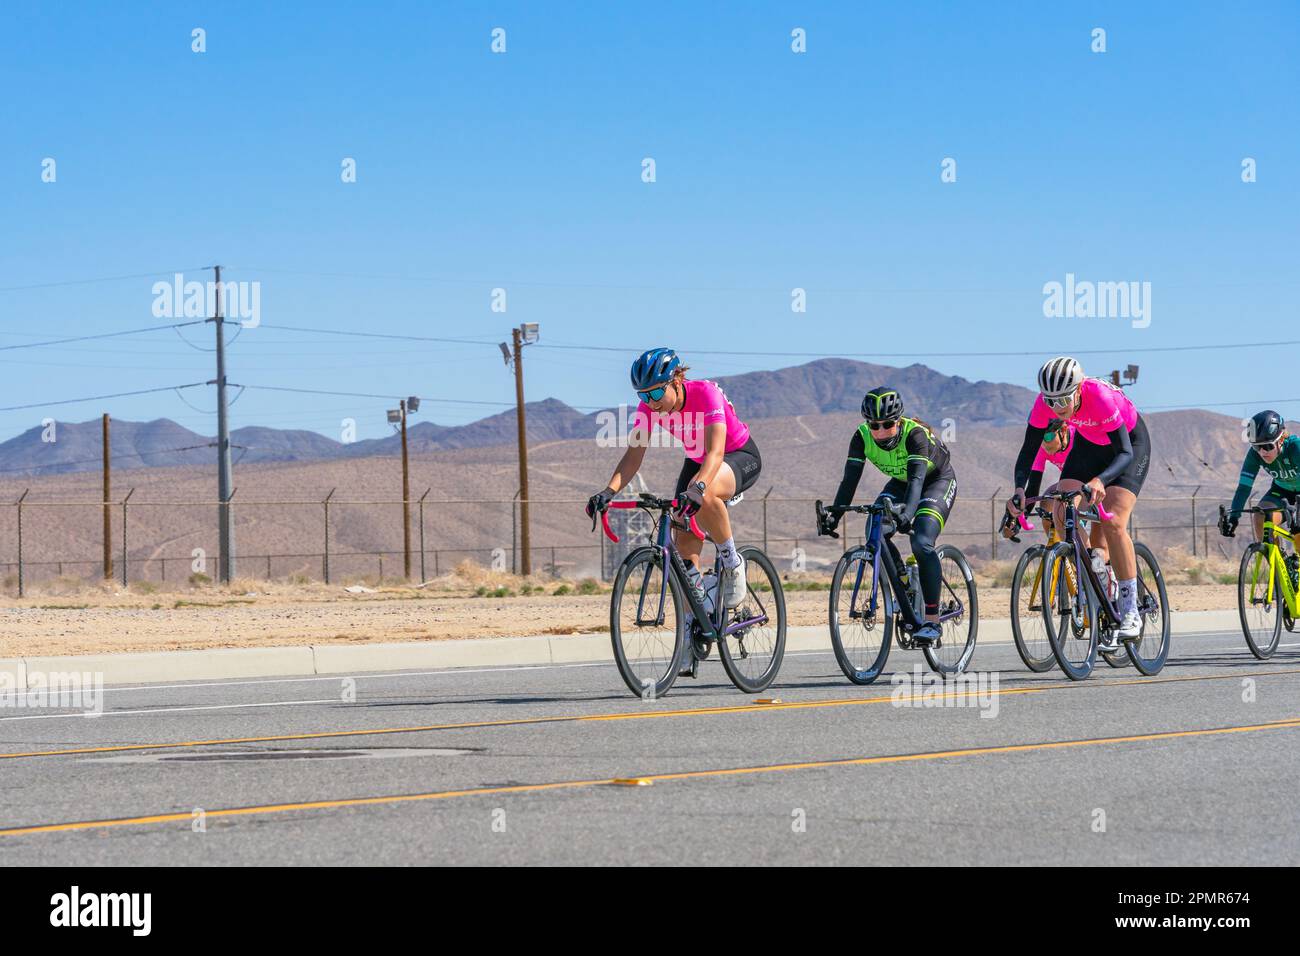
(882, 426)
(1060, 401)
(654, 394)
(1265, 446)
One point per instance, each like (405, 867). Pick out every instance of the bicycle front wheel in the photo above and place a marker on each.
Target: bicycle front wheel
(752, 654)
(646, 624)
(860, 634)
(1150, 649)
(1028, 623)
(1071, 613)
(958, 612)
(1261, 618)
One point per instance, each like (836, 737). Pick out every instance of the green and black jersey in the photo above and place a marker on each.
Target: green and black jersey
(918, 459)
(1285, 470)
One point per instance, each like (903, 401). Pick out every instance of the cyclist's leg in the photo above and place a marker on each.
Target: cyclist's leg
(1274, 498)
(894, 491)
(936, 504)
(688, 546)
(713, 516)
(1119, 502)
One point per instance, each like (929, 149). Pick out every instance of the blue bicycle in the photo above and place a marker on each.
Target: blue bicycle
(866, 618)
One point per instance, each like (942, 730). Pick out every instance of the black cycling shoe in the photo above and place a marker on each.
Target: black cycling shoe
(927, 633)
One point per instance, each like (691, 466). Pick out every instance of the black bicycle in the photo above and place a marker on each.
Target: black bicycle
(866, 618)
(1077, 616)
(659, 629)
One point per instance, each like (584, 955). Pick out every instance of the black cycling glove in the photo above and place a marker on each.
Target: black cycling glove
(599, 502)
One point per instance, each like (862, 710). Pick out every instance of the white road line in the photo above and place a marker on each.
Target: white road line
(172, 710)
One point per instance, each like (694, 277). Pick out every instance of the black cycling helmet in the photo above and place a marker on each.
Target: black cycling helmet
(882, 404)
(1266, 427)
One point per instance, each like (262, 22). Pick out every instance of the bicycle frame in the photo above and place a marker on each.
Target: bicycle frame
(1074, 535)
(1277, 569)
(881, 555)
(711, 623)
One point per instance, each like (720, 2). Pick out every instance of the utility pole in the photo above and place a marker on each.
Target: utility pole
(526, 334)
(225, 535)
(406, 503)
(108, 515)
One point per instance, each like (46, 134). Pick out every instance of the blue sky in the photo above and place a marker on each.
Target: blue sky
(522, 170)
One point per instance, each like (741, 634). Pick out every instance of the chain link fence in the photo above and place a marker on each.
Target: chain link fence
(338, 541)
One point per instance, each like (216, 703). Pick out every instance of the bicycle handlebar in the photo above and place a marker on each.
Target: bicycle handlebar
(1102, 513)
(650, 501)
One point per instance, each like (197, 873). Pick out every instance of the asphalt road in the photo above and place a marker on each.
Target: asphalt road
(1199, 765)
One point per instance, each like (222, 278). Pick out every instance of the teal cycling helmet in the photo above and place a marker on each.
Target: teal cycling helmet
(654, 368)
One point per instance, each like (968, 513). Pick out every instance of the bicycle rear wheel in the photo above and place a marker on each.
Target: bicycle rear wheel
(1071, 618)
(861, 640)
(752, 656)
(957, 598)
(1150, 649)
(646, 625)
(1261, 618)
(1028, 624)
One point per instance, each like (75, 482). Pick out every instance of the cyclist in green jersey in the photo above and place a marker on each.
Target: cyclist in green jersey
(1272, 447)
(920, 478)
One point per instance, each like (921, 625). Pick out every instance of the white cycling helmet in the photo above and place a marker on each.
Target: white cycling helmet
(1059, 376)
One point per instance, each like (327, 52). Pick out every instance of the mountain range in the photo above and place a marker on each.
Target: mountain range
(820, 387)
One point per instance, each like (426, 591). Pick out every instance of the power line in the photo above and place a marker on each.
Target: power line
(378, 335)
(52, 285)
(102, 335)
(97, 398)
(318, 391)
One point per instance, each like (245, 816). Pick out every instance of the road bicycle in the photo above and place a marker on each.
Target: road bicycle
(866, 618)
(658, 627)
(1268, 589)
(1029, 618)
(1077, 618)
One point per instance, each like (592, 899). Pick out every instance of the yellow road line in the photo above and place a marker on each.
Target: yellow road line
(1287, 724)
(632, 715)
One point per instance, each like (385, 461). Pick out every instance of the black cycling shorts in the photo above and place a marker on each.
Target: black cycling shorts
(745, 465)
(937, 495)
(1086, 461)
(1277, 493)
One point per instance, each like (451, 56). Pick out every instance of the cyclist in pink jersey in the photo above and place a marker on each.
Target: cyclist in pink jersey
(1108, 462)
(1057, 441)
(722, 459)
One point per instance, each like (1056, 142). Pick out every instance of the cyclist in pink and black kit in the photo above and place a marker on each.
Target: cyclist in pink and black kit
(721, 459)
(1108, 462)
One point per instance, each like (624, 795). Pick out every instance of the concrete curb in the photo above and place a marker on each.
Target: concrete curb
(341, 659)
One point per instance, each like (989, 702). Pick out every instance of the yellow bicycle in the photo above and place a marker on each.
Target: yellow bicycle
(1268, 589)
(1031, 625)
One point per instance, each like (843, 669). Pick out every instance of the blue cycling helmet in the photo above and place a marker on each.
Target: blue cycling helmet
(653, 368)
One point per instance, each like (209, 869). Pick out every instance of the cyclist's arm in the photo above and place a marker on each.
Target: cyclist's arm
(852, 471)
(1034, 484)
(916, 472)
(637, 441)
(1123, 446)
(715, 443)
(920, 456)
(1028, 449)
(1249, 469)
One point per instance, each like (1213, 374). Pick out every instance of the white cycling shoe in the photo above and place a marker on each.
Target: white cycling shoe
(1130, 625)
(734, 585)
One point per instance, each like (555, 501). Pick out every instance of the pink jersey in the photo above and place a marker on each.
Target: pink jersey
(706, 404)
(1102, 409)
(1042, 458)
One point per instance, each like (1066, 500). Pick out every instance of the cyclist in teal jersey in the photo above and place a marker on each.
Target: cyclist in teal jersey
(1278, 452)
(920, 477)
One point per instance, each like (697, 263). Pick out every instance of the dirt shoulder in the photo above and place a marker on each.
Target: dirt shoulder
(102, 619)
